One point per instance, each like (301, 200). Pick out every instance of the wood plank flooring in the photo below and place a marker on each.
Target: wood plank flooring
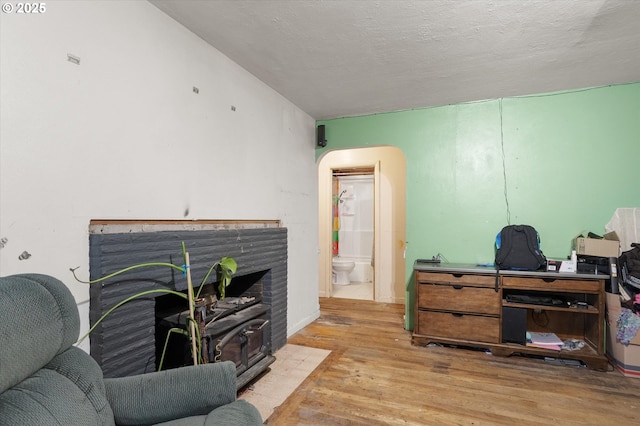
(374, 376)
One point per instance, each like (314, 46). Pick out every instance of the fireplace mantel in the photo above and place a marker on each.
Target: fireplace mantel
(115, 226)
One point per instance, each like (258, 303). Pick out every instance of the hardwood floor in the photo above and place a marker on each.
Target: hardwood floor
(374, 376)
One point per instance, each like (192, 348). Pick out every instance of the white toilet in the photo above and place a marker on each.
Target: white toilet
(341, 269)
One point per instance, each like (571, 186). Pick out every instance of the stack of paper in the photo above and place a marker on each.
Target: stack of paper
(544, 340)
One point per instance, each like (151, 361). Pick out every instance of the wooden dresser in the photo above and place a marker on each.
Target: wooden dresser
(466, 305)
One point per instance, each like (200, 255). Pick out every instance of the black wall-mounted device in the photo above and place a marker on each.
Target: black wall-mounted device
(321, 138)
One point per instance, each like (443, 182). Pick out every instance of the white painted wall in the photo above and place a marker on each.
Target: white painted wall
(122, 135)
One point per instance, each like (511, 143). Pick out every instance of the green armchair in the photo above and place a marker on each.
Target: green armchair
(45, 380)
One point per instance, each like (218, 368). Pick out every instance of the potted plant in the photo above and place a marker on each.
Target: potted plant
(225, 268)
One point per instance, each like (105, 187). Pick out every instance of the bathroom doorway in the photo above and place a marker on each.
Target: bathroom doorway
(387, 165)
(353, 233)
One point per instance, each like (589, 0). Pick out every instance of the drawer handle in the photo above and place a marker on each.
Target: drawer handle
(458, 287)
(455, 314)
(549, 280)
(458, 275)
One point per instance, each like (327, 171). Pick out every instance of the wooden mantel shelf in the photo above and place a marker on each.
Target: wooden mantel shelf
(107, 226)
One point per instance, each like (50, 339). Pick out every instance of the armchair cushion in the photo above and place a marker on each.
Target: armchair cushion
(67, 391)
(172, 394)
(238, 412)
(39, 320)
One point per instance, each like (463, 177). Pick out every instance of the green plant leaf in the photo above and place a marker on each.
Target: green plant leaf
(225, 269)
(229, 264)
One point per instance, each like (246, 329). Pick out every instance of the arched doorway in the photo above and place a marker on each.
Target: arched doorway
(389, 170)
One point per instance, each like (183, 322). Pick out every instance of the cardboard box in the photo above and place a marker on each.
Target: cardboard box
(626, 358)
(607, 247)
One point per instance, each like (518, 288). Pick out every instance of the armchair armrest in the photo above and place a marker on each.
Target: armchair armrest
(171, 394)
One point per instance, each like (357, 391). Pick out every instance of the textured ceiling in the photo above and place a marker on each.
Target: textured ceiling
(353, 57)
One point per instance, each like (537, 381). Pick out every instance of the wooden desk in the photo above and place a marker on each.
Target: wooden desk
(463, 305)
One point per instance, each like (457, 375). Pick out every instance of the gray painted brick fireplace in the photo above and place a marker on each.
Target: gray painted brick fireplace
(124, 343)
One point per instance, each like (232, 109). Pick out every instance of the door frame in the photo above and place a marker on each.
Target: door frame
(389, 166)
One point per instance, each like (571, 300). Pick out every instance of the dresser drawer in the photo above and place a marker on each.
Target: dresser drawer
(459, 298)
(459, 326)
(551, 284)
(453, 278)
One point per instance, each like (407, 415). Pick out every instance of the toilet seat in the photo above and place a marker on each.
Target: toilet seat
(341, 269)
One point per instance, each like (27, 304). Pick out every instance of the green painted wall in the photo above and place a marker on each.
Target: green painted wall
(570, 159)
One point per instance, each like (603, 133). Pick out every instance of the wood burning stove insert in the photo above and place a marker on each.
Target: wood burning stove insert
(233, 329)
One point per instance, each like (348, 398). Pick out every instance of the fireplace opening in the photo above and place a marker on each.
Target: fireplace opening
(233, 329)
